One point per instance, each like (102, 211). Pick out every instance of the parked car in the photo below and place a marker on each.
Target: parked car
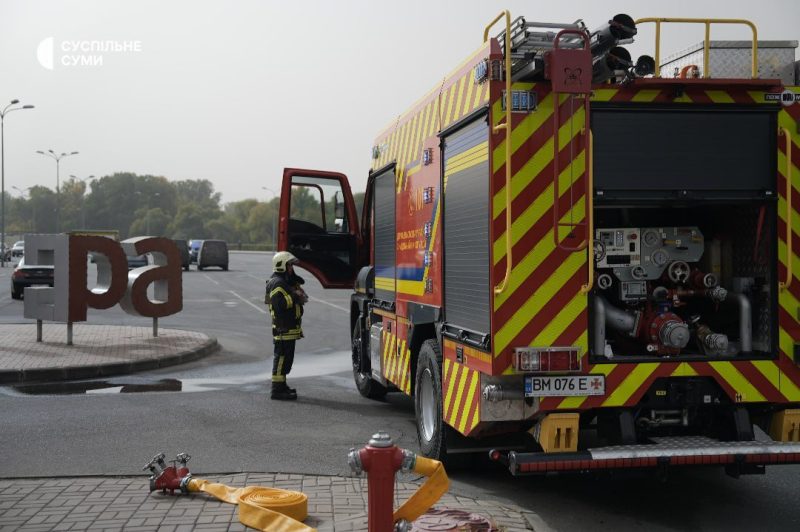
(18, 249)
(136, 261)
(25, 275)
(213, 253)
(183, 249)
(194, 249)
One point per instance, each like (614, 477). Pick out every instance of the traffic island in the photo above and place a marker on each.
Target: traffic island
(97, 351)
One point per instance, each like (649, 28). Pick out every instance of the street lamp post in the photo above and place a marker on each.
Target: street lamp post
(274, 219)
(8, 108)
(57, 159)
(83, 198)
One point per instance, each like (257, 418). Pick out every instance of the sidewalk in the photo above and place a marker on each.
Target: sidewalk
(113, 503)
(97, 351)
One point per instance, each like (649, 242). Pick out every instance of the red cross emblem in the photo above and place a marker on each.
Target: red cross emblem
(596, 383)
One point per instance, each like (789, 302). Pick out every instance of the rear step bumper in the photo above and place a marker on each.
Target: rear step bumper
(663, 452)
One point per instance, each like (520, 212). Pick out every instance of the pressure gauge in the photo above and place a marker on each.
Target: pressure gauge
(660, 257)
(651, 238)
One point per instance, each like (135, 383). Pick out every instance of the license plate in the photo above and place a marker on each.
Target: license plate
(565, 385)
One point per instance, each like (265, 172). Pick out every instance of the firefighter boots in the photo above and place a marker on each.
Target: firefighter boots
(281, 392)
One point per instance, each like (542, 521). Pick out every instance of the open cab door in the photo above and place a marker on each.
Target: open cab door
(319, 225)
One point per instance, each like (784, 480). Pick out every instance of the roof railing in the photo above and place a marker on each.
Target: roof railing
(706, 44)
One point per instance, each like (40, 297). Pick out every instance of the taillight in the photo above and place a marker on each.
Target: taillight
(18, 274)
(547, 360)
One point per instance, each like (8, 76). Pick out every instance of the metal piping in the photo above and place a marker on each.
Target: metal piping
(745, 325)
(617, 319)
(622, 321)
(599, 325)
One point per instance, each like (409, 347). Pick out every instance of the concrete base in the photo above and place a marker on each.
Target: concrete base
(96, 351)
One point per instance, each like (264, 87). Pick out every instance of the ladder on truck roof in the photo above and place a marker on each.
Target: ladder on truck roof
(531, 39)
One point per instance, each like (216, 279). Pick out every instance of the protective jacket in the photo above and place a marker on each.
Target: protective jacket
(285, 307)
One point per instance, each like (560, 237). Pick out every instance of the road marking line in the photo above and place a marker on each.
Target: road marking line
(210, 279)
(261, 310)
(334, 305)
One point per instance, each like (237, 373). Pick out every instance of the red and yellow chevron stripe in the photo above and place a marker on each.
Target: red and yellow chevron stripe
(462, 397)
(456, 97)
(788, 374)
(542, 301)
(396, 361)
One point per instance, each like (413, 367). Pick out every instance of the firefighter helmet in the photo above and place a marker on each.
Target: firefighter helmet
(281, 260)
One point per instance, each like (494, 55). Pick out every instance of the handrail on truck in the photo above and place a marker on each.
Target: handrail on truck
(586, 288)
(507, 126)
(784, 131)
(557, 224)
(706, 43)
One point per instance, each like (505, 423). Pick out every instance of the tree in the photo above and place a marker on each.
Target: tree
(43, 209)
(189, 223)
(71, 204)
(153, 222)
(223, 228)
(260, 222)
(199, 192)
(115, 200)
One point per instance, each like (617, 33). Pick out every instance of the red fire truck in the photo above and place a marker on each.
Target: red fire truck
(578, 260)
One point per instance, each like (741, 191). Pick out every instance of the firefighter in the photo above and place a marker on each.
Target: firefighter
(285, 298)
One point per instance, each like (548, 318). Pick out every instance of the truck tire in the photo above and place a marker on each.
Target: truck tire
(367, 386)
(432, 431)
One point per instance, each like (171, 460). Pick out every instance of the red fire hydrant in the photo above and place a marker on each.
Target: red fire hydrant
(381, 459)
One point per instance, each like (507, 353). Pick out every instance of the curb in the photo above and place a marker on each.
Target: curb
(245, 252)
(106, 370)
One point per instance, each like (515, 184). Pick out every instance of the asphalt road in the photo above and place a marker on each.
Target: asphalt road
(223, 417)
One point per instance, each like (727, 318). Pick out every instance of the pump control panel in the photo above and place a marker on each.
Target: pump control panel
(617, 247)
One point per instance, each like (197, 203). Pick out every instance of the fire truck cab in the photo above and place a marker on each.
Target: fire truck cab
(578, 259)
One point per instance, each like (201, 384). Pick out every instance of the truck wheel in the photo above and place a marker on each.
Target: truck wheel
(367, 386)
(431, 429)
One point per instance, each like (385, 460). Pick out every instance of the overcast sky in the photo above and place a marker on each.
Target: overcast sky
(233, 91)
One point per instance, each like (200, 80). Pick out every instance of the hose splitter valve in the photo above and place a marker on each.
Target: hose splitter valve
(382, 459)
(174, 477)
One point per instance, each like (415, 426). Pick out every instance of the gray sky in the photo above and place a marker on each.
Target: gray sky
(233, 91)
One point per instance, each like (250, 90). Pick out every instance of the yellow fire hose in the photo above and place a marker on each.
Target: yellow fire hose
(271, 509)
(427, 494)
(277, 510)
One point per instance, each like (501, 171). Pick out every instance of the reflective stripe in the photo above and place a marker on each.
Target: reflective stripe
(294, 334)
(286, 296)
